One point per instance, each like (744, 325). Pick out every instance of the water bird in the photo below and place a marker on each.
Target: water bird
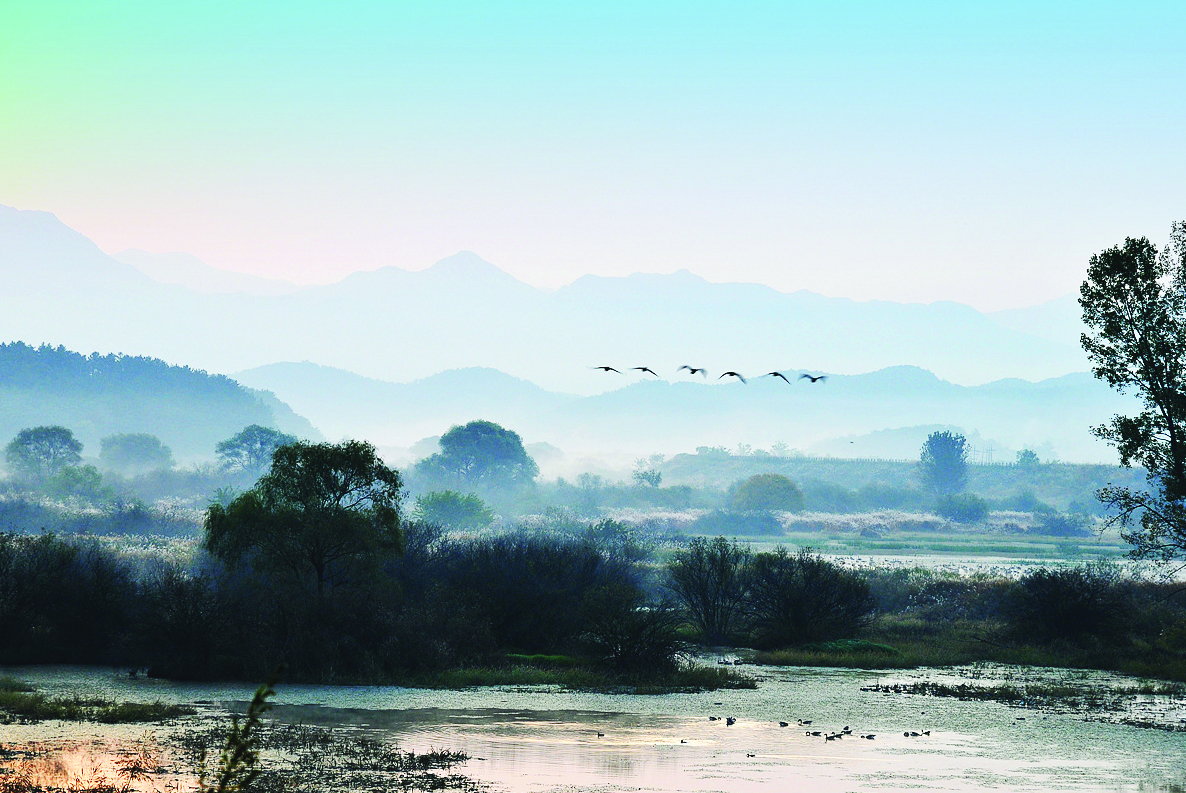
(714, 718)
(693, 370)
(926, 732)
(730, 721)
(733, 374)
(814, 378)
(601, 735)
(870, 736)
(778, 374)
(814, 733)
(804, 722)
(784, 724)
(644, 369)
(606, 369)
(681, 740)
(747, 754)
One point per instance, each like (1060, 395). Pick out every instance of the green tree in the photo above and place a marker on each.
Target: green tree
(40, 452)
(1027, 459)
(1134, 306)
(480, 454)
(135, 452)
(767, 493)
(80, 481)
(453, 509)
(250, 450)
(321, 512)
(943, 462)
(708, 578)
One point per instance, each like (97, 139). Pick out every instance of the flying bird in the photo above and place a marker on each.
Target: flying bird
(734, 374)
(644, 369)
(606, 369)
(778, 374)
(814, 378)
(693, 370)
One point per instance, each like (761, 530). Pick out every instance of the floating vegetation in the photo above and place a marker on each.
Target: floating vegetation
(1098, 702)
(304, 757)
(26, 705)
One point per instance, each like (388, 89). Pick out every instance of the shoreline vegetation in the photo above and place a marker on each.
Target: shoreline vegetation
(20, 702)
(904, 642)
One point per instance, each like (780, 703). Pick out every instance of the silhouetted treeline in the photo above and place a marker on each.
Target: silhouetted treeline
(446, 603)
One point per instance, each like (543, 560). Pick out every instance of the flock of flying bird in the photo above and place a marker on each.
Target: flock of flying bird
(815, 378)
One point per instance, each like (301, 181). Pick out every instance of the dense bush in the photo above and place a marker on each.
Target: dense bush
(766, 493)
(799, 598)
(1070, 604)
(962, 507)
(736, 523)
(457, 510)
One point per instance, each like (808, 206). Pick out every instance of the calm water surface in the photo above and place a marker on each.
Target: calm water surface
(542, 740)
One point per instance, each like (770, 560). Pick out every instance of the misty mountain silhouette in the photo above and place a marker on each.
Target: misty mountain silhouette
(398, 325)
(651, 415)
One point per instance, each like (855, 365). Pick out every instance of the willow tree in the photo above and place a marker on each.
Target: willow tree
(1134, 306)
(321, 514)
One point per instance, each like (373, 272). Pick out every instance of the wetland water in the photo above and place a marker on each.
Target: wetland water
(542, 740)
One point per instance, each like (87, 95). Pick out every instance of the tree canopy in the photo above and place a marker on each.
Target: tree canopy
(453, 509)
(41, 452)
(1134, 305)
(250, 450)
(943, 462)
(135, 452)
(480, 454)
(320, 514)
(767, 493)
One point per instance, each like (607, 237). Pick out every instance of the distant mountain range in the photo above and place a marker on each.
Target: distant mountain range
(56, 286)
(886, 413)
(96, 396)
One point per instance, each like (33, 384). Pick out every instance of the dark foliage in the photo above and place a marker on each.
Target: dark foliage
(526, 586)
(799, 598)
(708, 579)
(1069, 604)
(1134, 304)
(61, 602)
(324, 513)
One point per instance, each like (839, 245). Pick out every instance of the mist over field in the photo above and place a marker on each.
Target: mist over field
(530, 398)
(395, 357)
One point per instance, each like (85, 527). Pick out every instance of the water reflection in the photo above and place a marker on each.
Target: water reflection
(531, 740)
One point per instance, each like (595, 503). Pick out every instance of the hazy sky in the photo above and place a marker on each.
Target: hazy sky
(907, 151)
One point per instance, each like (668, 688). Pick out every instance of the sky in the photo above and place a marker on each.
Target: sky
(977, 152)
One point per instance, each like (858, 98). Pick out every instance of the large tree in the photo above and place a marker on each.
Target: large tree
(41, 452)
(1134, 305)
(250, 450)
(322, 513)
(134, 453)
(480, 454)
(708, 578)
(943, 462)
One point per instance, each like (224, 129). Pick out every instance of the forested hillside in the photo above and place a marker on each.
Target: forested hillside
(101, 395)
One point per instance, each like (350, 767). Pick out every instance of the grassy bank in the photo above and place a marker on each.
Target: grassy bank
(903, 642)
(570, 674)
(19, 702)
